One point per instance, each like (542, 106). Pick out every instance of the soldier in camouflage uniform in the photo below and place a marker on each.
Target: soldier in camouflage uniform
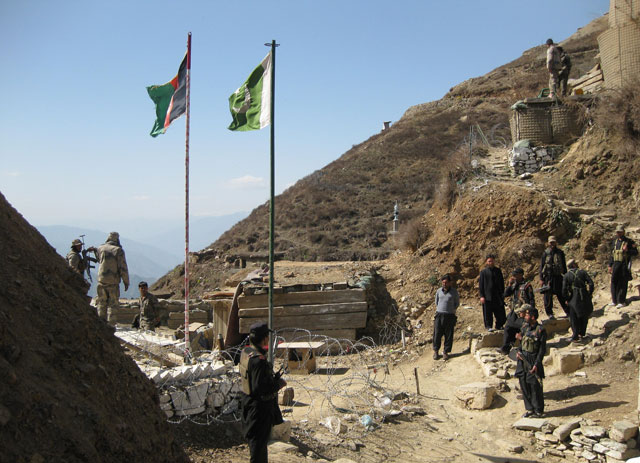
(74, 257)
(553, 66)
(113, 268)
(148, 308)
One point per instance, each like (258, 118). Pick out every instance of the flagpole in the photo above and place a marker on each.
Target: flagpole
(273, 46)
(187, 354)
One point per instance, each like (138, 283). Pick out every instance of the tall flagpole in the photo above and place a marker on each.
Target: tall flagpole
(273, 46)
(187, 354)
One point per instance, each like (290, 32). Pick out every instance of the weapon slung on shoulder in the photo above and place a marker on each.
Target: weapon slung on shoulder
(87, 259)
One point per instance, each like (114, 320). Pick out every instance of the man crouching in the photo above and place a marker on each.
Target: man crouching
(259, 399)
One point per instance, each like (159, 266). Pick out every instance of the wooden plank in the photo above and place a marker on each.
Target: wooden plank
(302, 298)
(589, 81)
(313, 309)
(300, 345)
(199, 315)
(299, 336)
(317, 322)
(582, 79)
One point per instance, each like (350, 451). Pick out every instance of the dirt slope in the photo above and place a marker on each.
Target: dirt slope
(68, 393)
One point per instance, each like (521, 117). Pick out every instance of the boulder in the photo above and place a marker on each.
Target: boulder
(567, 361)
(563, 431)
(622, 431)
(281, 432)
(477, 396)
(530, 424)
(493, 339)
(595, 432)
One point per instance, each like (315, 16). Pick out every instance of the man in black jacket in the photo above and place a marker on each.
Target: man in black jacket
(553, 266)
(259, 398)
(529, 369)
(577, 288)
(623, 249)
(491, 288)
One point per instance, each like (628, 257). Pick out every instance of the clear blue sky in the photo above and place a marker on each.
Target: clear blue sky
(75, 119)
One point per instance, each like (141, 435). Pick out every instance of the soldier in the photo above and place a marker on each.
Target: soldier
(447, 301)
(522, 296)
(623, 249)
(565, 70)
(529, 369)
(577, 288)
(552, 268)
(74, 257)
(553, 66)
(260, 386)
(113, 268)
(491, 287)
(148, 317)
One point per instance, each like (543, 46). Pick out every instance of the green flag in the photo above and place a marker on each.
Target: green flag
(250, 105)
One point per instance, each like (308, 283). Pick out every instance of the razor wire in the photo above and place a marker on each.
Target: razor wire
(352, 380)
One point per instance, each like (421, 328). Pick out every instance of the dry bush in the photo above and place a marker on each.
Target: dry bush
(455, 170)
(415, 234)
(618, 112)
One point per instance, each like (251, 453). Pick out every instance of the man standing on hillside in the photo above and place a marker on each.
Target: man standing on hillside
(113, 268)
(553, 66)
(577, 288)
(623, 249)
(552, 268)
(447, 301)
(491, 287)
(529, 369)
(565, 70)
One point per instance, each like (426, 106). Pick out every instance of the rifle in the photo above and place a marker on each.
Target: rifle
(513, 355)
(87, 259)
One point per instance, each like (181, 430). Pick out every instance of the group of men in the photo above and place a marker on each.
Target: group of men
(111, 271)
(573, 288)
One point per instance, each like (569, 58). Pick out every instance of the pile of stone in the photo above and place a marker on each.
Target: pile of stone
(583, 440)
(527, 160)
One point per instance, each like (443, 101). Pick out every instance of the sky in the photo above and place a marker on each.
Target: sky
(74, 126)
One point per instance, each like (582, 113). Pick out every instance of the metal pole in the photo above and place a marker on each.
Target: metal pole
(273, 46)
(187, 354)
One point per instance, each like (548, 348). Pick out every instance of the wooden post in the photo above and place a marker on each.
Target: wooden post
(415, 373)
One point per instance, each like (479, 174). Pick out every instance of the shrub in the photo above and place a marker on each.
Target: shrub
(415, 234)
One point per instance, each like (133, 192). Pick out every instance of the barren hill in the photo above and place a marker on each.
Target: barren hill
(344, 211)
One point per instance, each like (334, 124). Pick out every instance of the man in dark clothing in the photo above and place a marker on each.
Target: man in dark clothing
(623, 249)
(529, 369)
(552, 268)
(565, 70)
(521, 293)
(491, 287)
(447, 301)
(577, 288)
(259, 398)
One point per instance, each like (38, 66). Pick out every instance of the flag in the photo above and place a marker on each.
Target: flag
(170, 99)
(250, 105)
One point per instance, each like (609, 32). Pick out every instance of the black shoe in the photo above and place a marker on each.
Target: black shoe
(527, 414)
(445, 356)
(538, 415)
(436, 356)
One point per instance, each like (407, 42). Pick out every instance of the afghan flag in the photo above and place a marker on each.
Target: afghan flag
(250, 105)
(170, 100)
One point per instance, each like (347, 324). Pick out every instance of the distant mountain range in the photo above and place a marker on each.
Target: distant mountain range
(151, 251)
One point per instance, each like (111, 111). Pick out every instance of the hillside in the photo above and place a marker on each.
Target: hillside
(344, 211)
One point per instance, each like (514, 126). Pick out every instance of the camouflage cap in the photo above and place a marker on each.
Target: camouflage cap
(113, 236)
(571, 263)
(143, 283)
(259, 330)
(518, 271)
(552, 239)
(76, 242)
(620, 228)
(523, 308)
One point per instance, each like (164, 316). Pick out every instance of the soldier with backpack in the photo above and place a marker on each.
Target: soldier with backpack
(577, 288)
(553, 266)
(565, 69)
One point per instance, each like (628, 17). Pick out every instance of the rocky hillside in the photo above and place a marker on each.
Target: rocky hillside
(68, 393)
(344, 211)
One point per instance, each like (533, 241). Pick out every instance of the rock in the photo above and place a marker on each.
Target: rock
(595, 432)
(530, 424)
(287, 397)
(627, 356)
(477, 396)
(281, 432)
(563, 431)
(510, 446)
(556, 325)
(282, 447)
(622, 431)
(343, 460)
(541, 436)
(493, 339)
(588, 455)
(567, 362)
